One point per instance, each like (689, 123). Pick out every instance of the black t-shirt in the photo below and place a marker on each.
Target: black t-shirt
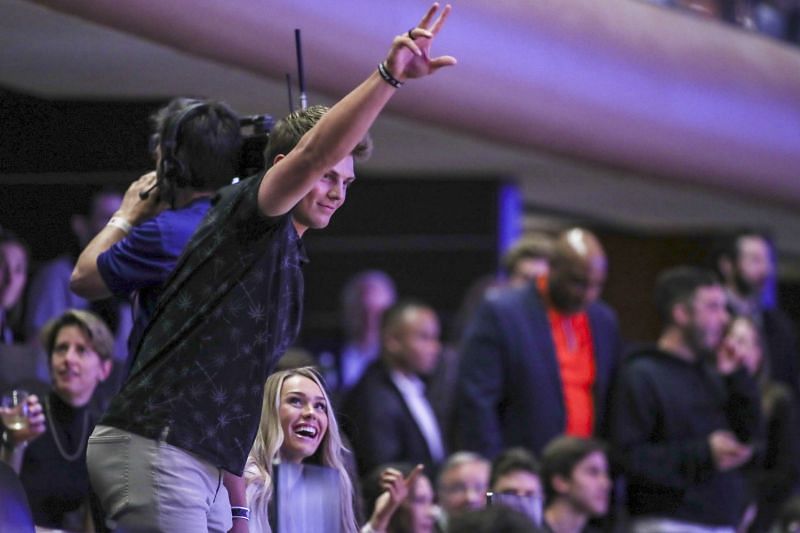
(228, 312)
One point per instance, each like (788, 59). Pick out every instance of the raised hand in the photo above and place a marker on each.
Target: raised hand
(729, 358)
(396, 489)
(410, 56)
(136, 209)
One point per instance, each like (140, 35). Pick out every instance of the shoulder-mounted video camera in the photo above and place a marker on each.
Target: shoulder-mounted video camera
(255, 135)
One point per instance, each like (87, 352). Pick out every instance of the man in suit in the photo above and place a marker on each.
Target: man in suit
(387, 414)
(538, 361)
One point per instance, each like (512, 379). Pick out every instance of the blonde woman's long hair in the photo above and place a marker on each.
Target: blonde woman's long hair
(266, 448)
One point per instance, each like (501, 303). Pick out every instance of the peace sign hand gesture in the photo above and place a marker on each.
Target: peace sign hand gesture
(409, 56)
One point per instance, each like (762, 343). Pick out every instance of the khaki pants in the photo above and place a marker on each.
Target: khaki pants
(150, 486)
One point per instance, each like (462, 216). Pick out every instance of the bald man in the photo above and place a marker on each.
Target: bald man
(537, 361)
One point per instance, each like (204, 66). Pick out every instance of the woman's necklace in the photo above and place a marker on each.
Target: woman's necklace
(84, 434)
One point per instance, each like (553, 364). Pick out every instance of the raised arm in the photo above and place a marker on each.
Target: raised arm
(86, 280)
(395, 490)
(338, 132)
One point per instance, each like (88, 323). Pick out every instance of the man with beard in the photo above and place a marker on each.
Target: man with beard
(744, 260)
(682, 423)
(538, 360)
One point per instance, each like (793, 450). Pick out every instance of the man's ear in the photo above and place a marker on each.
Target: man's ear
(560, 485)
(391, 342)
(277, 159)
(680, 313)
(105, 368)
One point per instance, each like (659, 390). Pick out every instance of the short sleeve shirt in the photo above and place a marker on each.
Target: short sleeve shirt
(140, 264)
(228, 312)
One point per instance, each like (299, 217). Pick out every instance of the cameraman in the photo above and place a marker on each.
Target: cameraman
(196, 146)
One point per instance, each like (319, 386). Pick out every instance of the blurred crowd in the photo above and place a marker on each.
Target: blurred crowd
(778, 19)
(157, 335)
(537, 404)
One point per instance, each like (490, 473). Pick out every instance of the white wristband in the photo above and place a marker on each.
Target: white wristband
(121, 224)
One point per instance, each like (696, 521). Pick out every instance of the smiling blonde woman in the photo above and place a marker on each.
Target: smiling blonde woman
(298, 427)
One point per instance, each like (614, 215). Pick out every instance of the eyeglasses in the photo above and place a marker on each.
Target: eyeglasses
(528, 504)
(462, 488)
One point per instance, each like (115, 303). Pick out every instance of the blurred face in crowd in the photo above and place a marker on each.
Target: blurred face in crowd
(521, 490)
(413, 341)
(707, 317)
(753, 266)
(303, 413)
(417, 513)
(463, 487)
(577, 271)
(520, 483)
(104, 206)
(75, 366)
(527, 269)
(13, 273)
(376, 296)
(589, 486)
(743, 339)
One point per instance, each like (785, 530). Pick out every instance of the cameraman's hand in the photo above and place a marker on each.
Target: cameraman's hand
(133, 208)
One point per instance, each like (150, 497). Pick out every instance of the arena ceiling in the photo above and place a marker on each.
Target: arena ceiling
(618, 111)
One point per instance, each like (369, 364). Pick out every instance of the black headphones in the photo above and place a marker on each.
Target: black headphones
(172, 170)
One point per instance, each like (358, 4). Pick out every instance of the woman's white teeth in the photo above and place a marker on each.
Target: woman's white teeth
(306, 431)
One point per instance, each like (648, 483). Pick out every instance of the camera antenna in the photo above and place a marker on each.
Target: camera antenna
(301, 80)
(289, 90)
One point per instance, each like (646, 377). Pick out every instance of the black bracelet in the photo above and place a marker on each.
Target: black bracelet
(387, 76)
(240, 512)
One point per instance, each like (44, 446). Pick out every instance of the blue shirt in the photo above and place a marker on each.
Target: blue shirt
(139, 264)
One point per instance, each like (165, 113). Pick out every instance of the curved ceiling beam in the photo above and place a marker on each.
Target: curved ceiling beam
(621, 82)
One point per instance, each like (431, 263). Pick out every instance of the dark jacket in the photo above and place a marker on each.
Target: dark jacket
(510, 390)
(781, 342)
(380, 426)
(665, 408)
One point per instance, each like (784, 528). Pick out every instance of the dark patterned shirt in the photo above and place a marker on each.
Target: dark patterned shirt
(228, 312)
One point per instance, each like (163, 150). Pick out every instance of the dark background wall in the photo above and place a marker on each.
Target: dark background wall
(72, 136)
(433, 236)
